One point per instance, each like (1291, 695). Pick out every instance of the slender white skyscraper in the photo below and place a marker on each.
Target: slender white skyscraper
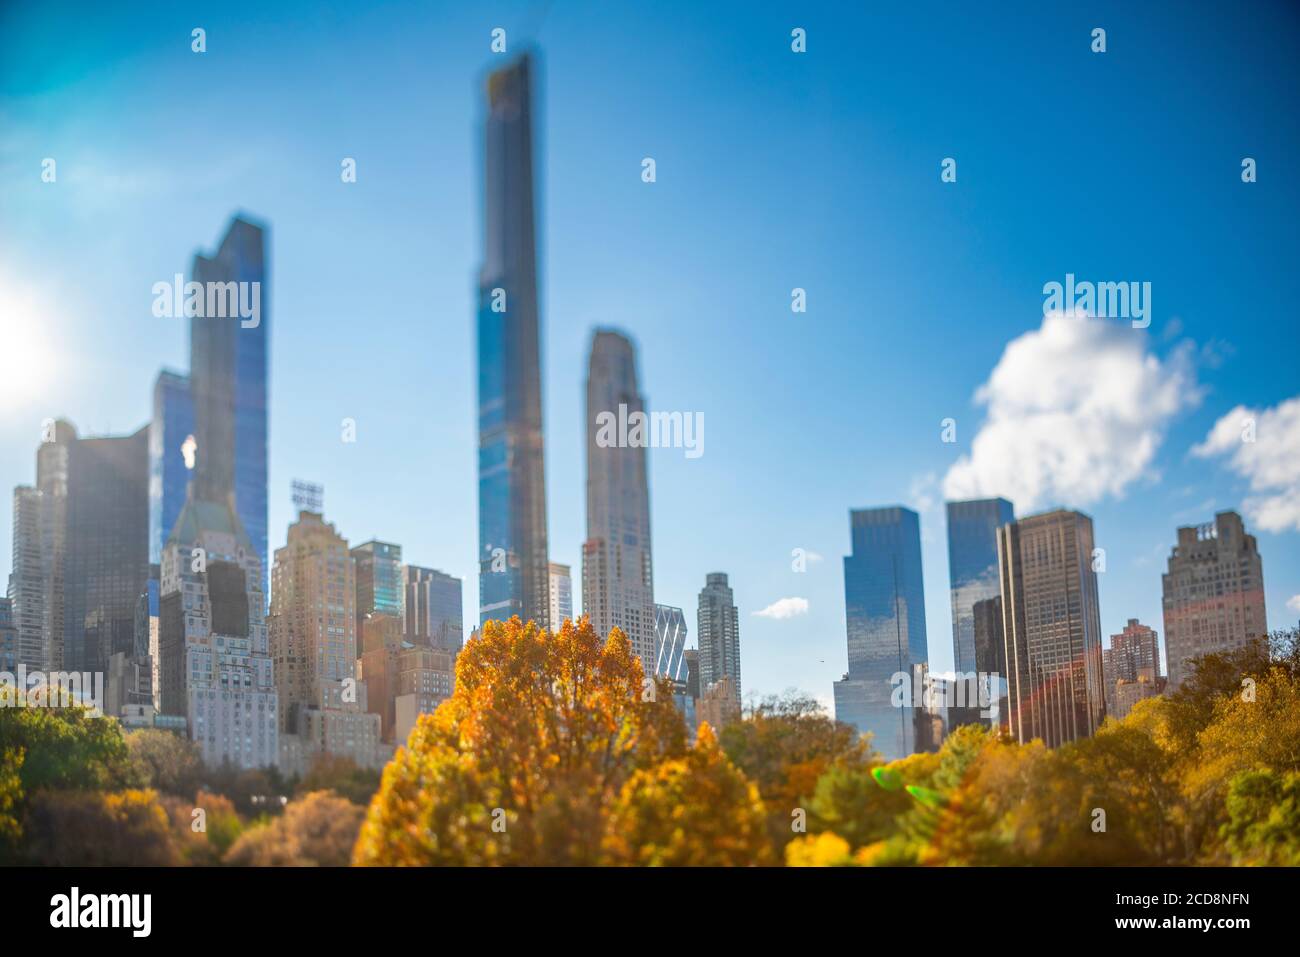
(617, 572)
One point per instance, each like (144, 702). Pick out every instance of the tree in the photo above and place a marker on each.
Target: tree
(167, 762)
(785, 745)
(11, 799)
(698, 810)
(1263, 826)
(90, 828)
(522, 764)
(341, 775)
(318, 830)
(65, 747)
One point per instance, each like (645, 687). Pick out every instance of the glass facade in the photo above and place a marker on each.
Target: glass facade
(513, 568)
(885, 610)
(670, 641)
(171, 454)
(228, 382)
(434, 607)
(379, 587)
(972, 569)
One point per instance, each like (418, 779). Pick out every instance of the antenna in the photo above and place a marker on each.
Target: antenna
(308, 496)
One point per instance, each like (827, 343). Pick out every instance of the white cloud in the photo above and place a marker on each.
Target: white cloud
(1076, 412)
(1293, 602)
(784, 608)
(1271, 462)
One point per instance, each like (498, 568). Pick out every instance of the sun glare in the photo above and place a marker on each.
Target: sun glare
(24, 352)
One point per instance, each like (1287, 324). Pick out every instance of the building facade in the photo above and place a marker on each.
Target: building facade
(617, 563)
(513, 565)
(884, 598)
(1051, 627)
(381, 583)
(433, 609)
(314, 645)
(670, 643)
(972, 568)
(228, 386)
(1213, 593)
(718, 636)
(561, 584)
(215, 665)
(173, 451)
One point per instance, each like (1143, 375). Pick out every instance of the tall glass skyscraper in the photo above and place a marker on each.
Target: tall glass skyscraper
(972, 570)
(513, 566)
(670, 641)
(617, 564)
(228, 381)
(884, 601)
(172, 453)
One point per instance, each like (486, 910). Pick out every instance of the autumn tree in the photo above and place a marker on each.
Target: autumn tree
(698, 810)
(524, 762)
(317, 830)
(169, 763)
(91, 828)
(341, 775)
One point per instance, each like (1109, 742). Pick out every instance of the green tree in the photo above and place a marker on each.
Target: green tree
(167, 762)
(1263, 825)
(89, 828)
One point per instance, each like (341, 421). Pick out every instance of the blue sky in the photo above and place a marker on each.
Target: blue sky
(775, 170)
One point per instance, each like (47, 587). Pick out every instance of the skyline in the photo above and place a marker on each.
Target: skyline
(775, 509)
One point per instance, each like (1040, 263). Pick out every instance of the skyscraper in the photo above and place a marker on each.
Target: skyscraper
(107, 550)
(884, 599)
(27, 581)
(8, 637)
(718, 621)
(617, 564)
(513, 566)
(1213, 593)
(1052, 627)
(380, 583)
(215, 666)
(561, 595)
(434, 605)
(229, 358)
(313, 639)
(670, 643)
(972, 568)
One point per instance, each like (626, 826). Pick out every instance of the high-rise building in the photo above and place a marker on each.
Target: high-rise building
(107, 548)
(972, 568)
(670, 642)
(561, 595)
(991, 655)
(27, 582)
(405, 676)
(718, 621)
(1133, 651)
(884, 599)
(215, 665)
(8, 637)
(617, 564)
(1052, 627)
(380, 587)
(229, 358)
(433, 610)
(1213, 593)
(173, 450)
(313, 642)
(513, 567)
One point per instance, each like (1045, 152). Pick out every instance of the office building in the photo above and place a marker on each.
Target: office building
(1051, 627)
(670, 643)
(433, 612)
(513, 566)
(1213, 594)
(884, 599)
(718, 621)
(561, 595)
(972, 569)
